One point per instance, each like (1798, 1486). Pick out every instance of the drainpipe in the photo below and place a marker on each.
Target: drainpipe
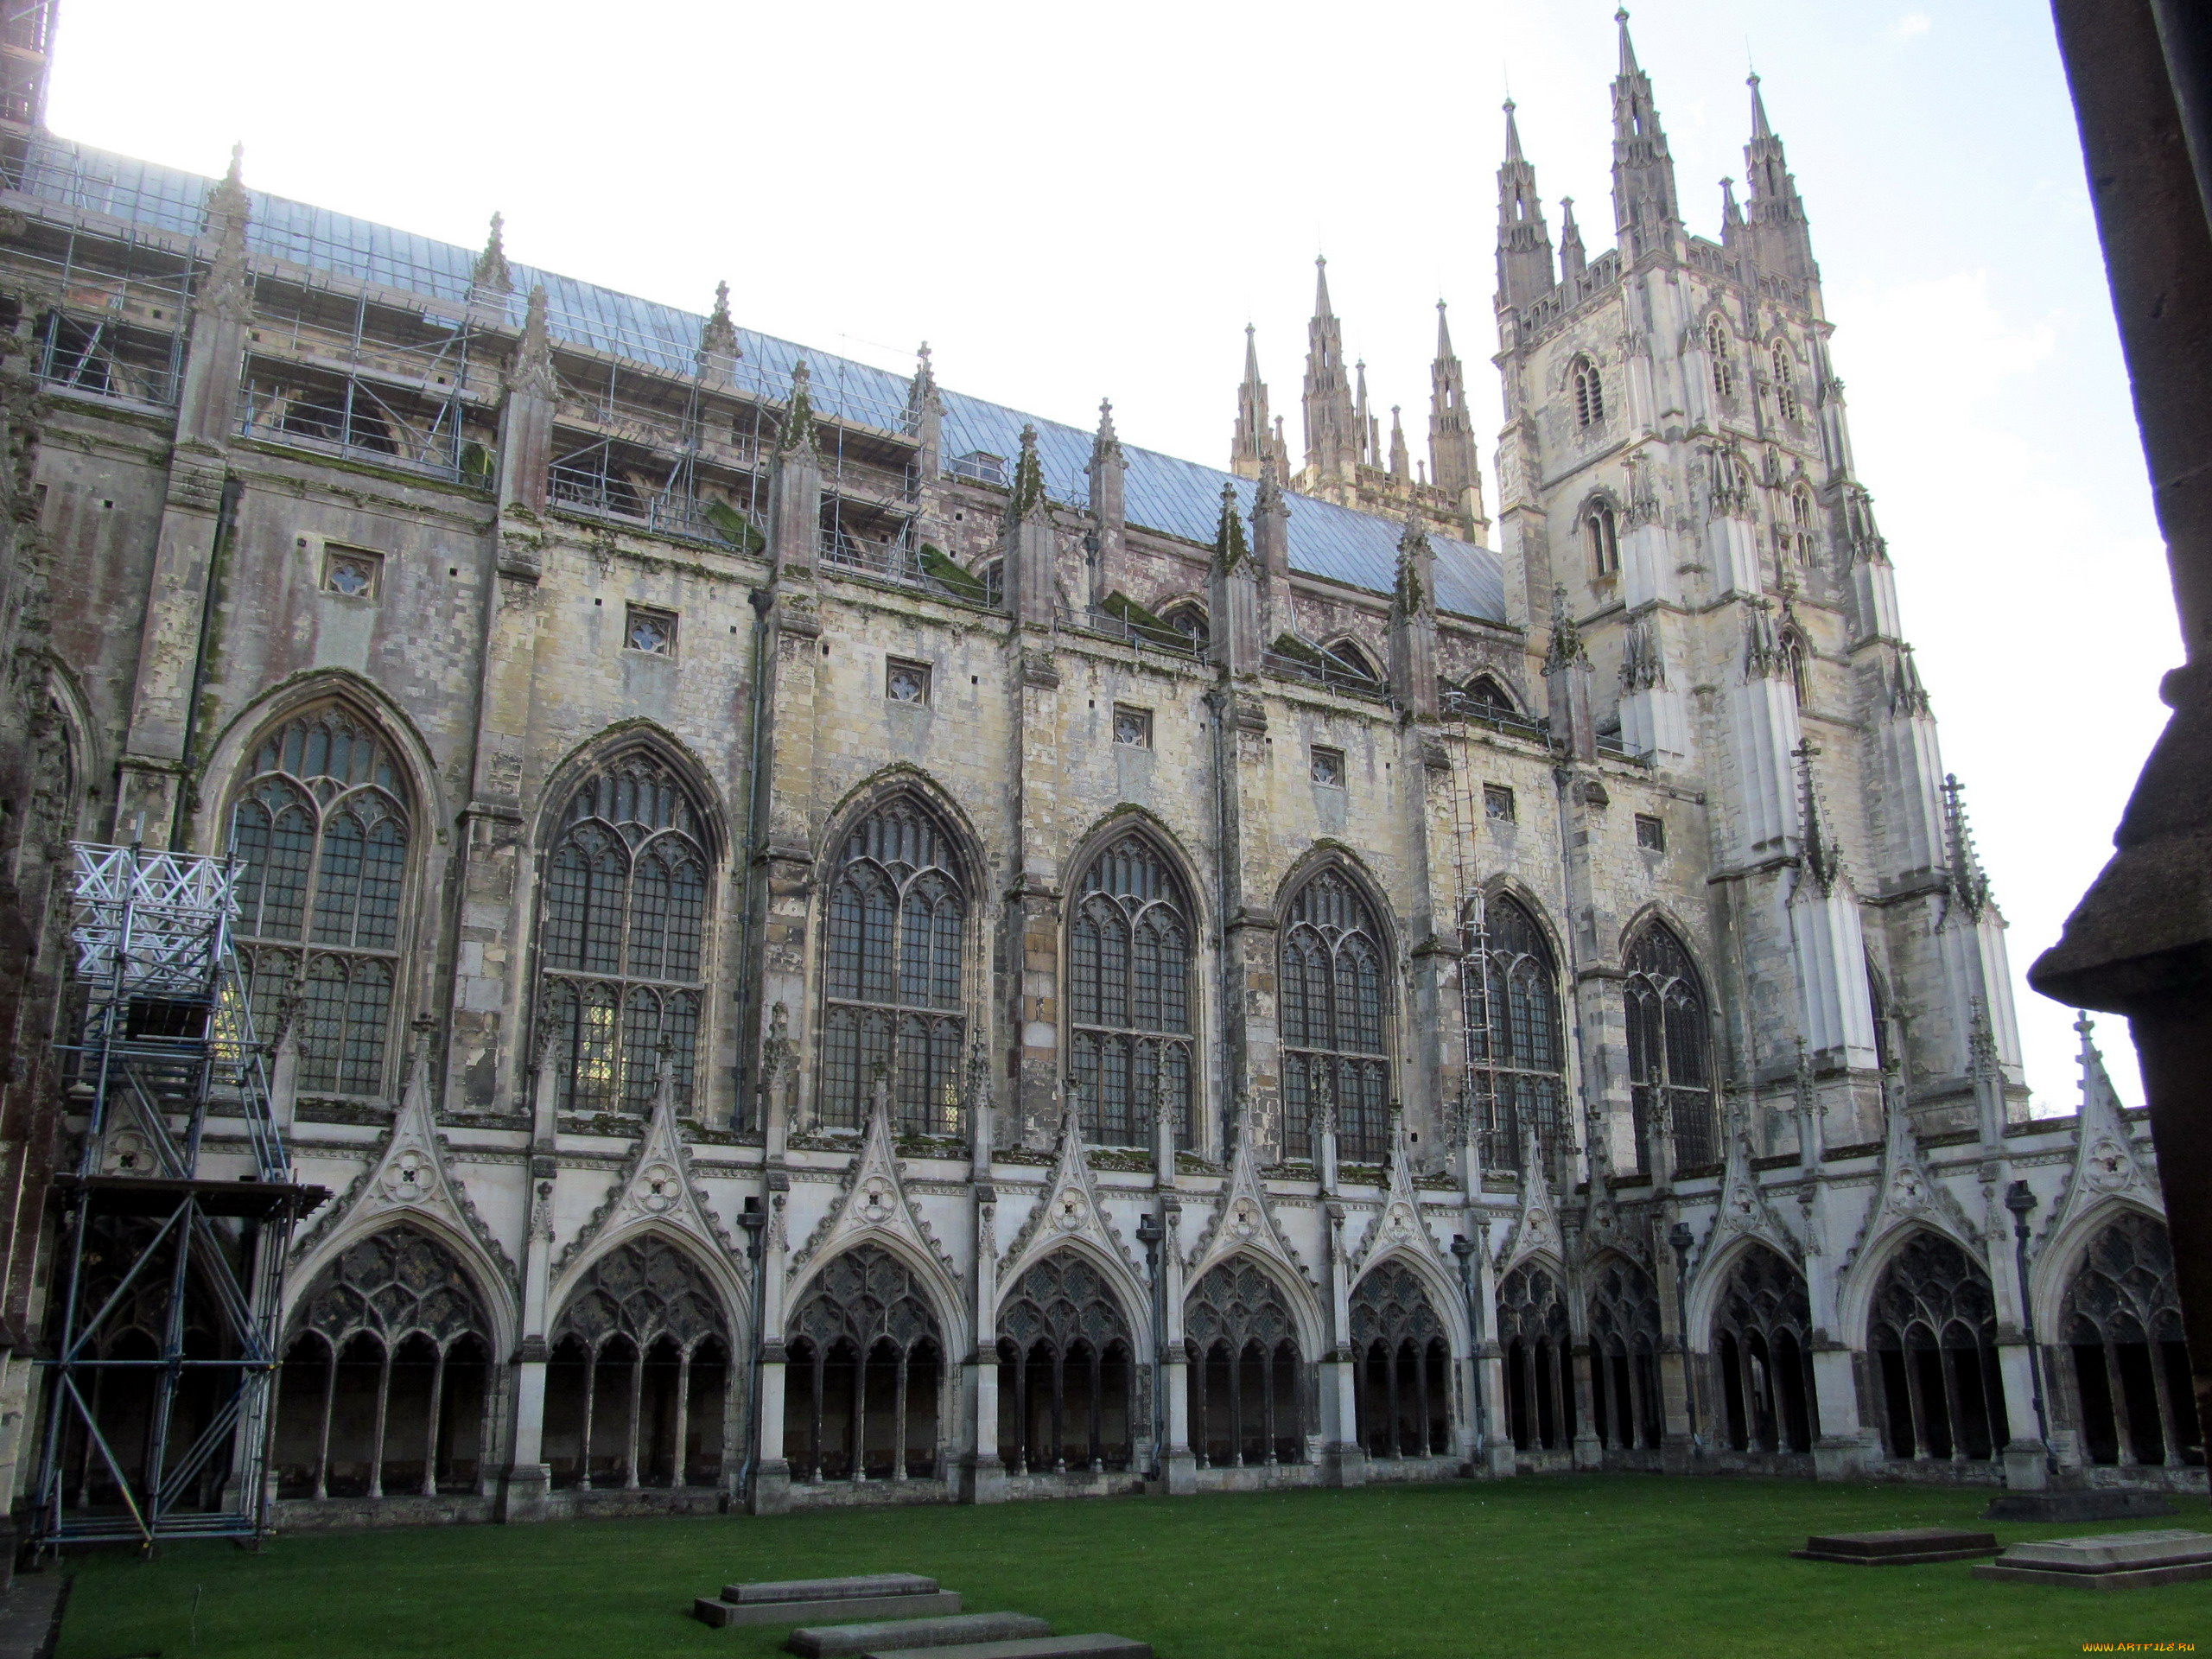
(1682, 1238)
(2021, 1203)
(1150, 1234)
(753, 1218)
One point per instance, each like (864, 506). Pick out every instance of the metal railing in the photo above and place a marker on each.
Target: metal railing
(1343, 681)
(1143, 635)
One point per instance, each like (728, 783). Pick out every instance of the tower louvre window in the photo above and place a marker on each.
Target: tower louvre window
(1724, 372)
(1785, 381)
(1589, 394)
(1602, 528)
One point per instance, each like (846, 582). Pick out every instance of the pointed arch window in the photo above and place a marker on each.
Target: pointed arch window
(1486, 698)
(1723, 371)
(1589, 393)
(1802, 515)
(1796, 657)
(1670, 1048)
(1346, 658)
(1601, 531)
(1785, 381)
(1130, 987)
(1763, 1348)
(1335, 983)
(1515, 1052)
(1189, 620)
(895, 979)
(1932, 1333)
(624, 929)
(2121, 1324)
(320, 829)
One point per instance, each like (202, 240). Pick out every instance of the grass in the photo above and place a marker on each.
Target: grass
(1581, 1565)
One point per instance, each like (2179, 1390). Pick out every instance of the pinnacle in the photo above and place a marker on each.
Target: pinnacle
(1759, 127)
(1628, 47)
(1512, 134)
(1321, 286)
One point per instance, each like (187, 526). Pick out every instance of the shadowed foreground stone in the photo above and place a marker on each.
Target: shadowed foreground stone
(839, 1641)
(1049, 1647)
(1901, 1546)
(2111, 1504)
(2118, 1561)
(798, 1601)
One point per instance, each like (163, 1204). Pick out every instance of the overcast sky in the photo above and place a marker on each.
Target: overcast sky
(1076, 202)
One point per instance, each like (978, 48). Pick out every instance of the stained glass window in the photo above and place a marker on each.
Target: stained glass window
(1130, 941)
(1336, 1003)
(895, 930)
(1670, 1045)
(320, 829)
(623, 933)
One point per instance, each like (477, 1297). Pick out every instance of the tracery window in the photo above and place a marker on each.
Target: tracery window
(895, 933)
(1589, 394)
(1189, 620)
(1723, 371)
(1601, 531)
(321, 830)
(386, 1385)
(866, 1368)
(1509, 998)
(1066, 1399)
(1802, 515)
(1486, 697)
(1625, 1397)
(1130, 948)
(2121, 1321)
(637, 1389)
(1934, 1335)
(1785, 381)
(624, 931)
(1669, 1049)
(1345, 658)
(1248, 1378)
(1796, 657)
(1533, 1330)
(1336, 1004)
(1402, 1391)
(1763, 1346)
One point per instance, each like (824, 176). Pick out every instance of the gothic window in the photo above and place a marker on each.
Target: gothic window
(1625, 1398)
(1670, 1048)
(1796, 657)
(385, 1384)
(1803, 514)
(1509, 995)
(1402, 1395)
(624, 931)
(1763, 1346)
(321, 830)
(1130, 947)
(1532, 1330)
(1248, 1378)
(1065, 1369)
(2122, 1323)
(895, 932)
(1934, 1337)
(1189, 620)
(1336, 1004)
(867, 1366)
(1486, 697)
(1785, 381)
(637, 1388)
(1589, 394)
(995, 584)
(1723, 371)
(1601, 531)
(1346, 658)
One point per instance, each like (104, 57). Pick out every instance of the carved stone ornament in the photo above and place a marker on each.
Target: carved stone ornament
(1744, 1210)
(656, 1187)
(1399, 1226)
(1069, 1208)
(2105, 1163)
(1244, 1220)
(872, 1198)
(1907, 1193)
(1537, 1229)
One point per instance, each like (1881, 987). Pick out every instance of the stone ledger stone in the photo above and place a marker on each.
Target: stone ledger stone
(853, 1641)
(2112, 1504)
(1901, 1547)
(2118, 1561)
(1049, 1647)
(722, 1612)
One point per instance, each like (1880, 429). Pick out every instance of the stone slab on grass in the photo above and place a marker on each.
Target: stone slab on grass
(1049, 1647)
(722, 1612)
(2114, 1504)
(2117, 1561)
(1900, 1546)
(873, 1584)
(850, 1641)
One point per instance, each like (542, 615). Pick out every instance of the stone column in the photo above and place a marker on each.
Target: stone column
(1343, 1461)
(983, 1476)
(527, 1480)
(771, 1474)
(1178, 1464)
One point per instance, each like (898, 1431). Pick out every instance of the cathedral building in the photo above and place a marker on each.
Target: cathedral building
(835, 942)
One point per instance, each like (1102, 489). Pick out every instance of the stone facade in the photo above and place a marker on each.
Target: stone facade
(836, 945)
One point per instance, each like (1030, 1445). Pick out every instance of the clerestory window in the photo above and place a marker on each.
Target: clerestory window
(1336, 1003)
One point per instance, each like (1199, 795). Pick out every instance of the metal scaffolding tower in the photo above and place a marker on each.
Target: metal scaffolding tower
(157, 1408)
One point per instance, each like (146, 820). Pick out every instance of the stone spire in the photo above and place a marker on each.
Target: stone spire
(1109, 505)
(1524, 241)
(1333, 437)
(1254, 431)
(1571, 260)
(1412, 622)
(1969, 882)
(927, 411)
(1452, 465)
(1362, 416)
(531, 373)
(1401, 463)
(492, 274)
(1645, 212)
(718, 335)
(1822, 856)
(1781, 239)
(227, 292)
(798, 416)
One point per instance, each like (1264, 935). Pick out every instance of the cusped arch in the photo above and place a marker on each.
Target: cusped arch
(1327, 854)
(1446, 1298)
(405, 1290)
(1861, 1281)
(886, 786)
(1713, 1278)
(704, 1274)
(2052, 1268)
(1294, 1293)
(1130, 1296)
(626, 741)
(947, 1301)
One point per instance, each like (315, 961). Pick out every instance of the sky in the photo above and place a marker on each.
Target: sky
(1072, 202)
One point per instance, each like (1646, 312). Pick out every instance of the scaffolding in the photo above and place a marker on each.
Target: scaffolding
(160, 1379)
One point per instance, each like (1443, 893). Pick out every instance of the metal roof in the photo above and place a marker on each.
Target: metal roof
(1180, 498)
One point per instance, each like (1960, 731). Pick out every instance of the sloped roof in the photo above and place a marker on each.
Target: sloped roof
(1180, 498)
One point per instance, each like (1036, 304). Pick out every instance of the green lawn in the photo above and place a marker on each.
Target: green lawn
(1582, 1566)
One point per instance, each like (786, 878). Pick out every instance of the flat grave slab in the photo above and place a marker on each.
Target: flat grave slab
(1900, 1546)
(722, 1612)
(1048, 1647)
(2117, 1561)
(2090, 1505)
(873, 1584)
(839, 1641)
